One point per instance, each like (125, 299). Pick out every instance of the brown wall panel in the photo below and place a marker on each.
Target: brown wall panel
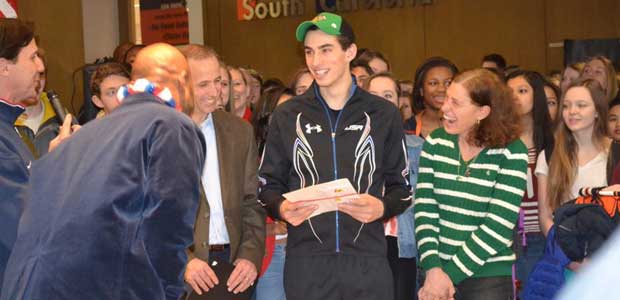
(268, 45)
(59, 30)
(397, 33)
(578, 19)
(212, 19)
(464, 31)
(124, 21)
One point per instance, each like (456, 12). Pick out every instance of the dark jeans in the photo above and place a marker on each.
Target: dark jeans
(488, 288)
(528, 256)
(404, 271)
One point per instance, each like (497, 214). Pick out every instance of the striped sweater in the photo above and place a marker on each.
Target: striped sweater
(464, 222)
(529, 203)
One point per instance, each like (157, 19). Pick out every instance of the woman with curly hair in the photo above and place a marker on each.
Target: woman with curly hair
(471, 181)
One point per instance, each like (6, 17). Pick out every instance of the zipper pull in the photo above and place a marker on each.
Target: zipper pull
(333, 135)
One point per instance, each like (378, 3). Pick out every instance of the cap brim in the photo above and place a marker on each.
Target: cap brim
(300, 34)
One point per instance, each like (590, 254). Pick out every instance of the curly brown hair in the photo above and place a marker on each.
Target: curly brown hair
(502, 125)
(104, 71)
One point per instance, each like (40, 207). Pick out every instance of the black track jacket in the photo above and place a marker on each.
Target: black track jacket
(307, 144)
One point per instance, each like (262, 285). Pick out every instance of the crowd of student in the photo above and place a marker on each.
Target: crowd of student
(570, 123)
(491, 153)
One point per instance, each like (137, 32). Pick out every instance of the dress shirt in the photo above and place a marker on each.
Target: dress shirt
(211, 182)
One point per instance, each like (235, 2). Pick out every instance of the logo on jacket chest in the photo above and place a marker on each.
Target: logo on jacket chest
(354, 127)
(316, 128)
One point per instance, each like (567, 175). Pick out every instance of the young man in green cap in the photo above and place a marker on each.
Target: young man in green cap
(335, 130)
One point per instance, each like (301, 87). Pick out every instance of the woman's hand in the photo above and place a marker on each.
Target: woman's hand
(437, 286)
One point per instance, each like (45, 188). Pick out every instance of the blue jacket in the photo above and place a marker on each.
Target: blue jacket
(547, 277)
(112, 209)
(15, 160)
(407, 247)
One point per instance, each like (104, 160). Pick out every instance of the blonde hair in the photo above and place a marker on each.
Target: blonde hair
(611, 90)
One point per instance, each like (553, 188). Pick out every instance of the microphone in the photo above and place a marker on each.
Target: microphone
(58, 108)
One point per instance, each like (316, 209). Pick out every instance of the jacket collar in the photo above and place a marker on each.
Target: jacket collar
(10, 111)
(141, 98)
(317, 92)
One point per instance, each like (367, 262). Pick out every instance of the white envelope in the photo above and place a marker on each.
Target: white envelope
(326, 195)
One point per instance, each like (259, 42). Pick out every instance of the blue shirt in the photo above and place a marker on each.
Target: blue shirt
(218, 234)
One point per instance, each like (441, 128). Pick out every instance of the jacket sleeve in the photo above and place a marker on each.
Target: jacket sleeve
(15, 191)
(427, 210)
(175, 152)
(196, 250)
(252, 245)
(274, 168)
(495, 233)
(397, 196)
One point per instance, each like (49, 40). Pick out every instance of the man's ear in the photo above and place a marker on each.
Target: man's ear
(351, 52)
(4, 66)
(97, 101)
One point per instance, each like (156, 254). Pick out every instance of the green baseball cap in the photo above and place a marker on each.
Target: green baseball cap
(329, 23)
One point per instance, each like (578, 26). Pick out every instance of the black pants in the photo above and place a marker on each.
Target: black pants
(220, 256)
(404, 271)
(337, 277)
(489, 288)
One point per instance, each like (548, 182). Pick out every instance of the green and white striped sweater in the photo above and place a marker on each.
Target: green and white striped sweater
(464, 223)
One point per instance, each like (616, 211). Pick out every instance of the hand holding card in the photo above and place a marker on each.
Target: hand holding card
(325, 196)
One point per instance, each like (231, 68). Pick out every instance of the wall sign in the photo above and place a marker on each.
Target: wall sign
(255, 9)
(248, 10)
(164, 21)
(337, 6)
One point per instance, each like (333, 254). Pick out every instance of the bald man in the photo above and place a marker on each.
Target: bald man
(113, 207)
